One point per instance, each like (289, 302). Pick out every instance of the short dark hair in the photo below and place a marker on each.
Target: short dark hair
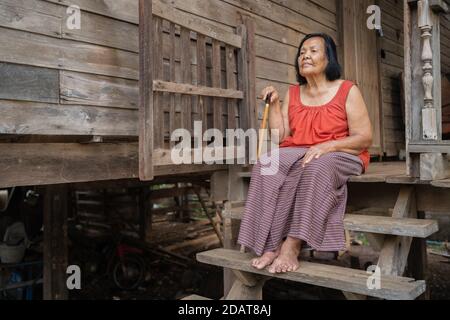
(333, 70)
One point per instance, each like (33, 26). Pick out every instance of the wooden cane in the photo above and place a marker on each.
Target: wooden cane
(262, 130)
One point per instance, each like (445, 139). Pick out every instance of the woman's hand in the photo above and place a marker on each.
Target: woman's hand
(315, 152)
(274, 96)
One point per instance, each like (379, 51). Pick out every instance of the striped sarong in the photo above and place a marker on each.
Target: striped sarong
(304, 203)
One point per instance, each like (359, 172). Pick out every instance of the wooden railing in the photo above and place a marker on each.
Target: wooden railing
(191, 70)
(426, 151)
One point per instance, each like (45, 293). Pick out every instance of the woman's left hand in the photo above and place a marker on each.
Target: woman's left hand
(315, 152)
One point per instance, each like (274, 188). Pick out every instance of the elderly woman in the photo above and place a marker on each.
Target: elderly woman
(325, 131)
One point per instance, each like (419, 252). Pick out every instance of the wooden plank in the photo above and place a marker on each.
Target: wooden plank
(251, 71)
(119, 9)
(42, 51)
(101, 30)
(158, 112)
(31, 118)
(27, 83)
(417, 228)
(314, 11)
(172, 66)
(231, 85)
(54, 163)
(186, 77)
(195, 24)
(244, 114)
(321, 275)
(201, 77)
(216, 69)
(188, 89)
(371, 224)
(33, 16)
(146, 99)
(436, 147)
(377, 172)
(94, 90)
(55, 242)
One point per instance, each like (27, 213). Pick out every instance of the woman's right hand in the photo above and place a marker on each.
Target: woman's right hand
(273, 93)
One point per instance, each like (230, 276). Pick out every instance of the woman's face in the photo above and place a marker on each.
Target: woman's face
(313, 58)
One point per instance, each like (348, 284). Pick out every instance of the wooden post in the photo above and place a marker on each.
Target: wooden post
(423, 86)
(144, 211)
(394, 254)
(55, 242)
(145, 90)
(430, 61)
(251, 70)
(247, 74)
(237, 192)
(417, 260)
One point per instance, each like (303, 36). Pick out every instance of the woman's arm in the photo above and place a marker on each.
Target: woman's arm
(360, 128)
(278, 114)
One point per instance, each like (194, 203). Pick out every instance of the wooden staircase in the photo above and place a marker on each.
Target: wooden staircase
(394, 234)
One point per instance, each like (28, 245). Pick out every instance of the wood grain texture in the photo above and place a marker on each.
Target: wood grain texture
(30, 118)
(18, 82)
(94, 90)
(321, 275)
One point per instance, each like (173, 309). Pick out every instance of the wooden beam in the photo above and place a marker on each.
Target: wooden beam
(55, 242)
(412, 161)
(250, 47)
(53, 163)
(243, 75)
(418, 261)
(240, 291)
(395, 251)
(433, 166)
(146, 70)
(183, 88)
(436, 147)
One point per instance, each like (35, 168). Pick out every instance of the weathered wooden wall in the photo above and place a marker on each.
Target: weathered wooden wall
(85, 81)
(72, 83)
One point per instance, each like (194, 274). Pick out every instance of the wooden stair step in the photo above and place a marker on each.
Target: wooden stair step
(417, 228)
(377, 172)
(334, 277)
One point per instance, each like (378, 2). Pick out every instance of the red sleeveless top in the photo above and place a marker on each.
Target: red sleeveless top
(311, 125)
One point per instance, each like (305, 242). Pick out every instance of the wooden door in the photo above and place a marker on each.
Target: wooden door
(361, 61)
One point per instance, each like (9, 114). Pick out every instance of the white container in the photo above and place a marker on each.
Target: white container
(12, 254)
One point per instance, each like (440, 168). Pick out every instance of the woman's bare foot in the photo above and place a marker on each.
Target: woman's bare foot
(287, 261)
(266, 259)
